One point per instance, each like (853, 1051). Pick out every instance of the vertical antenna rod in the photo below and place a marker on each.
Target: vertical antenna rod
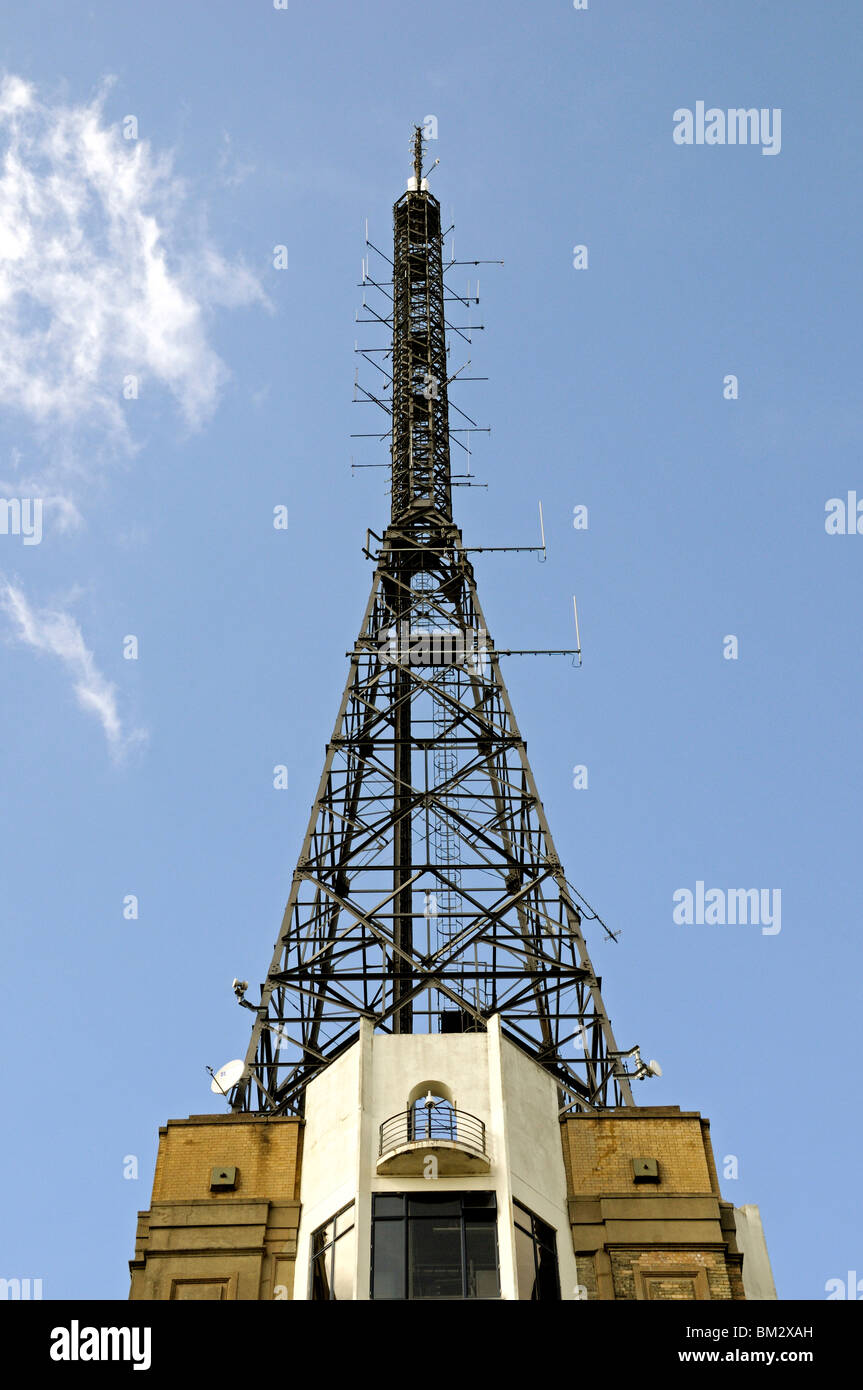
(418, 154)
(420, 437)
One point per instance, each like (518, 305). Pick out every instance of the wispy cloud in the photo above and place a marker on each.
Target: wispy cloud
(105, 273)
(57, 632)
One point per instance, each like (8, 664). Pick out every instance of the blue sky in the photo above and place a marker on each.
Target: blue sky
(153, 258)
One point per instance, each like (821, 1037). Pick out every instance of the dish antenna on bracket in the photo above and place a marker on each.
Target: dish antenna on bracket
(226, 1078)
(643, 1070)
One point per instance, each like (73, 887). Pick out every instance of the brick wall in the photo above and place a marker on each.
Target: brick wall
(598, 1151)
(265, 1152)
(231, 1243)
(672, 1238)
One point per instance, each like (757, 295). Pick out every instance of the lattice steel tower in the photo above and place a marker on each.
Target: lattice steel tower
(432, 1105)
(428, 895)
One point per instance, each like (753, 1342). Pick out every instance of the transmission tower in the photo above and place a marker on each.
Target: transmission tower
(428, 894)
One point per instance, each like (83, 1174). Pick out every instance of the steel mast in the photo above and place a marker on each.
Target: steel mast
(428, 894)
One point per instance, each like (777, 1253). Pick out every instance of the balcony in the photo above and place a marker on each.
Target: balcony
(454, 1138)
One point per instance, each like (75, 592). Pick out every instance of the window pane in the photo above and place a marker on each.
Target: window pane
(536, 1256)
(481, 1252)
(444, 1248)
(479, 1201)
(434, 1264)
(344, 1221)
(544, 1234)
(548, 1285)
(320, 1280)
(344, 1263)
(434, 1204)
(323, 1236)
(523, 1218)
(389, 1206)
(524, 1264)
(389, 1259)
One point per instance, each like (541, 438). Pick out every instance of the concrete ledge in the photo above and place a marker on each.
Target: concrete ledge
(453, 1160)
(632, 1207)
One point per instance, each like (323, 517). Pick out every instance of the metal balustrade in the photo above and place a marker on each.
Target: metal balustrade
(430, 1124)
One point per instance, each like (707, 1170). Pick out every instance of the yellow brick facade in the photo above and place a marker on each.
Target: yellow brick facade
(265, 1152)
(235, 1241)
(601, 1151)
(667, 1238)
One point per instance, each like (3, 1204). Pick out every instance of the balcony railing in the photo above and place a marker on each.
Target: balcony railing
(430, 1124)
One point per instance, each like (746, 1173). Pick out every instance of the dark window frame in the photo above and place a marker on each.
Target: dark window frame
(535, 1228)
(470, 1204)
(326, 1254)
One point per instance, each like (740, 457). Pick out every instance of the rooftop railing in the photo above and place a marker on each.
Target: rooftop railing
(430, 1124)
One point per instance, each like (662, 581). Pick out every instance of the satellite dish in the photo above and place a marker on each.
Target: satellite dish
(654, 1068)
(227, 1077)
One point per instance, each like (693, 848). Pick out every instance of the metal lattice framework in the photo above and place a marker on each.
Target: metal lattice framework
(420, 442)
(428, 895)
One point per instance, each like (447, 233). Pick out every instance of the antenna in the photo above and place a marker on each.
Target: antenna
(226, 1078)
(543, 557)
(418, 154)
(643, 1070)
(577, 634)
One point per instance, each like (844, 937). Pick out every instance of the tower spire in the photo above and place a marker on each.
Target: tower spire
(428, 895)
(418, 155)
(420, 413)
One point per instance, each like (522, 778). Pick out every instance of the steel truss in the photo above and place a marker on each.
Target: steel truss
(428, 895)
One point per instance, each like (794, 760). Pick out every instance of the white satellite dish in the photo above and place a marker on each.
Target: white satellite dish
(654, 1068)
(227, 1076)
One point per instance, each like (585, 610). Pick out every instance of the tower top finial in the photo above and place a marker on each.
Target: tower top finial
(418, 154)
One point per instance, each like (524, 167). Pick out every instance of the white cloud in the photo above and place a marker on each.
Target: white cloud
(107, 271)
(104, 272)
(56, 632)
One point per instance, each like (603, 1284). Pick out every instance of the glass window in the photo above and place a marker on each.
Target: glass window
(432, 1204)
(435, 1257)
(480, 1241)
(525, 1262)
(535, 1256)
(435, 1245)
(388, 1258)
(334, 1257)
(389, 1206)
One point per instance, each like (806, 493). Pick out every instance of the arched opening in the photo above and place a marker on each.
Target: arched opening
(437, 1088)
(430, 1121)
(431, 1112)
